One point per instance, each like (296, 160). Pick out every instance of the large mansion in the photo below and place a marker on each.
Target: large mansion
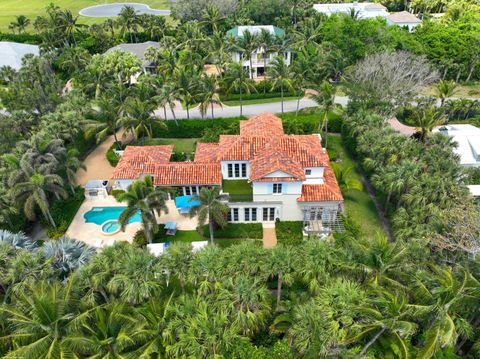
(264, 174)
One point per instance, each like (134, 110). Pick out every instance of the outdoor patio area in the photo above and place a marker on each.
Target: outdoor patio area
(92, 234)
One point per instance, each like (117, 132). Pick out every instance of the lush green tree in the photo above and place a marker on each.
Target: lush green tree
(208, 94)
(426, 118)
(247, 44)
(20, 24)
(325, 98)
(236, 79)
(281, 76)
(444, 89)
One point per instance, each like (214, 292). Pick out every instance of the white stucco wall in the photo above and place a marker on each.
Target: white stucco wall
(266, 188)
(122, 184)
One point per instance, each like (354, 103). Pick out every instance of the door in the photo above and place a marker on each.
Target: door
(269, 214)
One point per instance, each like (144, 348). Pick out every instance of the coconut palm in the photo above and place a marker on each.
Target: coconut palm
(247, 44)
(186, 86)
(33, 191)
(72, 166)
(211, 18)
(266, 42)
(74, 60)
(7, 207)
(444, 89)
(281, 264)
(325, 98)
(21, 23)
(140, 117)
(219, 49)
(41, 152)
(17, 240)
(236, 79)
(103, 119)
(345, 178)
(68, 254)
(128, 20)
(141, 197)
(167, 95)
(281, 75)
(426, 118)
(211, 209)
(208, 87)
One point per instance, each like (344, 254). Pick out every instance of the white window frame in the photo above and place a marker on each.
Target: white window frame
(277, 188)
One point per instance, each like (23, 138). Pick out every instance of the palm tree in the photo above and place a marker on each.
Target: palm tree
(127, 19)
(281, 75)
(21, 23)
(211, 18)
(69, 25)
(72, 166)
(140, 117)
(167, 95)
(7, 207)
(266, 42)
(208, 93)
(211, 209)
(325, 98)
(281, 263)
(17, 240)
(345, 178)
(236, 79)
(247, 44)
(68, 254)
(426, 118)
(34, 189)
(444, 89)
(103, 119)
(143, 198)
(186, 86)
(219, 51)
(74, 60)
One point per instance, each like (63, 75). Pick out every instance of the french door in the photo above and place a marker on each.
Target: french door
(269, 214)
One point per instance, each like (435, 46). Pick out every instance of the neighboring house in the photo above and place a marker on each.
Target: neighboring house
(368, 10)
(139, 51)
(12, 53)
(467, 138)
(475, 192)
(265, 174)
(364, 10)
(404, 19)
(258, 56)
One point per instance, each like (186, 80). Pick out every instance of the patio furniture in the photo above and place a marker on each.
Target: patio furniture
(184, 203)
(171, 228)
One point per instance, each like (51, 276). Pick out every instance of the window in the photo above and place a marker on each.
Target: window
(269, 214)
(232, 215)
(308, 172)
(230, 170)
(237, 170)
(188, 192)
(244, 170)
(250, 214)
(277, 188)
(194, 190)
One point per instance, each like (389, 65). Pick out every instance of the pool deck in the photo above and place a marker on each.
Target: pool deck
(91, 233)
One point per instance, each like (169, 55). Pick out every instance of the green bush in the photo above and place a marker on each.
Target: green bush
(194, 128)
(139, 239)
(116, 192)
(289, 232)
(112, 158)
(257, 95)
(236, 230)
(63, 211)
(33, 39)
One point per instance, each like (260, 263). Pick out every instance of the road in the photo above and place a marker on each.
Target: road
(248, 110)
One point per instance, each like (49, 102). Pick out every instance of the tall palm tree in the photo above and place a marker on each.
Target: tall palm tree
(247, 44)
(167, 95)
(211, 209)
(281, 263)
(74, 60)
(103, 119)
(7, 207)
(208, 93)
(444, 89)
(128, 20)
(266, 43)
(72, 165)
(186, 86)
(33, 191)
(325, 98)
(236, 79)
(21, 23)
(219, 48)
(211, 18)
(143, 198)
(426, 118)
(281, 75)
(140, 117)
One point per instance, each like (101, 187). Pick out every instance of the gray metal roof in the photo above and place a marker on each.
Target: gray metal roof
(137, 49)
(12, 53)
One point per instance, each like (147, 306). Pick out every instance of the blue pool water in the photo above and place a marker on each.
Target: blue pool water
(99, 215)
(111, 227)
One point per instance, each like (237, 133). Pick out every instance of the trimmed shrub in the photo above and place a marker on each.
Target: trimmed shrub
(236, 230)
(289, 232)
(116, 192)
(63, 211)
(139, 239)
(112, 157)
(33, 39)
(195, 128)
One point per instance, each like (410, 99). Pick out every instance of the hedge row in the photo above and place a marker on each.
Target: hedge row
(33, 39)
(306, 122)
(236, 230)
(256, 96)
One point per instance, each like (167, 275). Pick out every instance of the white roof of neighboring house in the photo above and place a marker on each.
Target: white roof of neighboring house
(12, 53)
(403, 17)
(137, 49)
(467, 138)
(474, 190)
(365, 10)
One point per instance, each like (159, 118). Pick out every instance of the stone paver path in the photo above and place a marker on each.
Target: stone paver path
(269, 235)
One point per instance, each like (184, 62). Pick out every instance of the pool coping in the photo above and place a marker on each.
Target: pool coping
(110, 233)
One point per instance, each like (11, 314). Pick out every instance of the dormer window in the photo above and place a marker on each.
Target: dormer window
(277, 188)
(308, 172)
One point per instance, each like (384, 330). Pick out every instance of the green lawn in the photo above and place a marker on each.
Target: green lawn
(359, 205)
(193, 236)
(32, 8)
(186, 145)
(239, 190)
(258, 101)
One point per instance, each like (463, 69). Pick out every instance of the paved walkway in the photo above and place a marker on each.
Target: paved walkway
(269, 235)
(400, 127)
(98, 168)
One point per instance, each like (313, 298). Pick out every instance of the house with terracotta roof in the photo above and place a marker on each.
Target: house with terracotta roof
(280, 177)
(260, 59)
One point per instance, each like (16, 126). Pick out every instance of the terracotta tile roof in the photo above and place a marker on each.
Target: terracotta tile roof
(262, 125)
(328, 191)
(206, 152)
(187, 173)
(139, 160)
(269, 163)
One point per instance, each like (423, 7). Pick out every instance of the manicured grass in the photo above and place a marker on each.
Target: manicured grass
(258, 101)
(186, 145)
(239, 190)
(358, 204)
(9, 9)
(237, 230)
(192, 236)
(289, 232)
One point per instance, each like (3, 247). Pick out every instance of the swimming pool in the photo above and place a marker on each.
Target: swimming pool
(111, 227)
(99, 215)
